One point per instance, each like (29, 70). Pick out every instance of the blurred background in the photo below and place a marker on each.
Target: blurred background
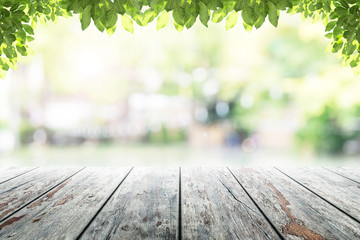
(202, 97)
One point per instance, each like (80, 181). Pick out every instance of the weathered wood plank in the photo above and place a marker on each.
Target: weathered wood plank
(296, 212)
(65, 211)
(144, 207)
(350, 173)
(9, 173)
(20, 191)
(337, 190)
(216, 207)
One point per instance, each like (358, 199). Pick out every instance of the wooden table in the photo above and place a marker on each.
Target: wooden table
(179, 203)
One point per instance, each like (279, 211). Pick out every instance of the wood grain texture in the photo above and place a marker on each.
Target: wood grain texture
(216, 207)
(341, 192)
(351, 173)
(19, 191)
(296, 212)
(12, 172)
(65, 211)
(144, 207)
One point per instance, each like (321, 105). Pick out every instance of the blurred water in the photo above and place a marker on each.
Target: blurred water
(166, 155)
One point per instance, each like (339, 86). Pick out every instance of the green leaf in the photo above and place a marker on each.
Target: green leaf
(239, 5)
(330, 26)
(231, 20)
(139, 19)
(127, 23)
(218, 16)
(162, 20)
(21, 49)
(76, 6)
(344, 3)
(192, 12)
(110, 31)
(190, 22)
(282, 4)
(119, 7)
(179, 15)
(110, 18)
(9, 52)
(28, 29)
(337, 46)
(329, 35)
(4, 64)
(136, 4)
(211, 5)
(341, 11)
(149, 16)
(349, 35)
(99, 24)
(170, 5)
(354, 63)
(85, 17)
(337, 31)
(247, 15)
(349, 49)
(178, 27)
(21, 34)
(33, 23)
(204, 14)
(259, 22)
(2, 73)
(357, 35)
(273, 14)
(247, 27)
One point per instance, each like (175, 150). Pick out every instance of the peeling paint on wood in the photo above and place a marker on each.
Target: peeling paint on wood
(49, 195)
(144, 207)
(337, 190)
(194, 203)
(9, 173)
(295, 211)
(215, 207)
(11, 221)
(295, 227)
(20, 191)
(57, 213)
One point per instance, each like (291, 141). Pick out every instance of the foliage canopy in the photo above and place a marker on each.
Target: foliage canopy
(18, 18)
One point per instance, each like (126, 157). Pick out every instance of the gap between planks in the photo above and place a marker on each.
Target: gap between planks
(41, 195)
(180, 228)
(307, 213)
(180, 234)
(342, 175)
(257, 206)
(318, 195)
(18, 175)
(106, 201)
(180, 202)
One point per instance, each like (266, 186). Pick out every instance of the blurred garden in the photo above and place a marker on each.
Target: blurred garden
(202, 96)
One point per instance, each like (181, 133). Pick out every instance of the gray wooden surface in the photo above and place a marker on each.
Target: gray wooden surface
(67, 209)
(19, 191)
(174, 203)
(215, 205)
(347, 172)
(295, 211)
(144, 207)
(9, 173)
(337, 190)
